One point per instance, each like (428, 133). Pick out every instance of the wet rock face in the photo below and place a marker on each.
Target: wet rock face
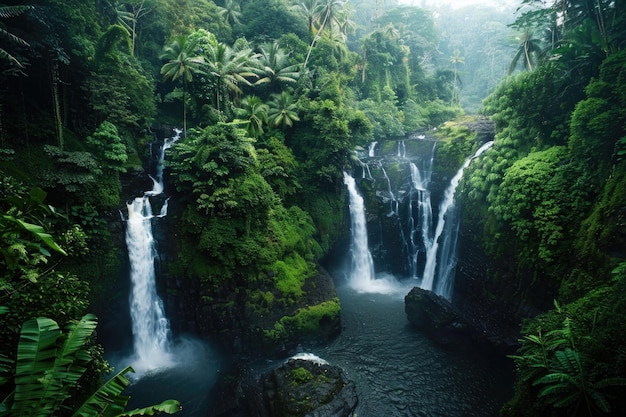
(459, 327)
(439, 319)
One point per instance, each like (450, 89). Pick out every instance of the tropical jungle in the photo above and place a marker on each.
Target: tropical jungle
(270, 106)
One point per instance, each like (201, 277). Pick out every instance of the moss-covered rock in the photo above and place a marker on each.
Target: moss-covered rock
(308, 388)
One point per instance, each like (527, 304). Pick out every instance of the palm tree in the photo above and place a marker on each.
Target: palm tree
(182, 63)
(282, 110)
(345, 25)
(275, 64)
(308, 9)
(231, 67)
(529, 49)
(254, 112)
(7, 12)
(456, 59)
(329, 14)
(231, 12)
(48, 367)
(128, 20)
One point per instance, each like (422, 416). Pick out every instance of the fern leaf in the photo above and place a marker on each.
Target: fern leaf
(599, 400)
(569, 361)
(567, 400)
(611, 382)
(553, 378)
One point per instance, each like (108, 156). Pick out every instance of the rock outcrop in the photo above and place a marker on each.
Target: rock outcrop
(438, 318)
(303, 386)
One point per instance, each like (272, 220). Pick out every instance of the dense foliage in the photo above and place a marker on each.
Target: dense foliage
(547, 196)
(273, 98)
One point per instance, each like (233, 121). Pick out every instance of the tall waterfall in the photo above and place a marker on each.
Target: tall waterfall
(420, 217)
(151, 330)
(446, 257)
(362, 268)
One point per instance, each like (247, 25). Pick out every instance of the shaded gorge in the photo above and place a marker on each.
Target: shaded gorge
(397, 370)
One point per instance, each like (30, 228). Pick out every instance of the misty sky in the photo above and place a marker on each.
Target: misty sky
(457, 3)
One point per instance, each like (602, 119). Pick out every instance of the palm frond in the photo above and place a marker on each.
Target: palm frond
(13, 11)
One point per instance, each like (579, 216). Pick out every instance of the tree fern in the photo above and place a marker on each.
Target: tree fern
(569, 386)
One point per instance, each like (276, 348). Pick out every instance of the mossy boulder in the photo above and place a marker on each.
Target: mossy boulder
(308, 387)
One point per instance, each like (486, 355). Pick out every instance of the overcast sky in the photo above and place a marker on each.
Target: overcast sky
(458, 3)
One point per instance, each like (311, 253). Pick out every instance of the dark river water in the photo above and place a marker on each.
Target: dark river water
(397, 370)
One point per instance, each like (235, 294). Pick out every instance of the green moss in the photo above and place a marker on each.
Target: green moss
(305, 322)
(300, 376)
(327, 214)
(290, 275)
(260, 302)
(459, 142)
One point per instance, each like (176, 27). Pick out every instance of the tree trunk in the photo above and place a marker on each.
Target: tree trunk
(56, 105)
(184, 110)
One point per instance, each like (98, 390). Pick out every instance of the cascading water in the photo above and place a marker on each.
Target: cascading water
(443, 285)
(371, 150)
(393, 203)
(362, 271)
(420, 222)
(401, 149)
(151, 331)
(414, 240)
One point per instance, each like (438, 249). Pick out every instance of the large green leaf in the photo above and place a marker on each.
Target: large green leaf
(107, 401)
(70, 363)
(41, 234)
(36, 354)
(34, 229)
(167, 406)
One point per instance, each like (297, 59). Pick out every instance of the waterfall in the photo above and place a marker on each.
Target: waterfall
(151, 331)
(423, 221)
(401, 149)
(362, 268)
(393, 204)
(157, 187)
(370, 152)
(448, 242)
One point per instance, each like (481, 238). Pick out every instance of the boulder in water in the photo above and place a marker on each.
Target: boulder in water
(303, 386)
(438, 318)
(308, 387)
